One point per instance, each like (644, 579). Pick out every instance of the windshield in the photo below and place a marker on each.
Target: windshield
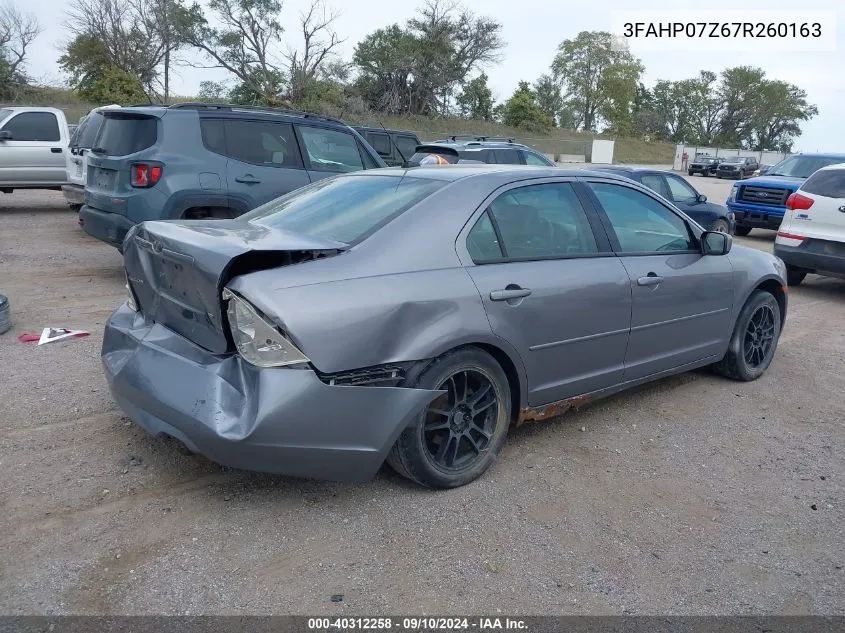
(344, 209)
(802, 166)
(735, 159)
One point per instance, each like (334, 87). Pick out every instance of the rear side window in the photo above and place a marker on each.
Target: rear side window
(344, 209)
(407, 145)
(331, 150)
(507, 156)
(88, 130)
(265, 143)
(829, 183)
(379, 142)
(34, 126)
(126, 134)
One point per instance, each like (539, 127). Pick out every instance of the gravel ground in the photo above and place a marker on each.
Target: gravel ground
(694, 495)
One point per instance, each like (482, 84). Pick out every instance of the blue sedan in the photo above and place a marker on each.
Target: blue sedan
(711, 216)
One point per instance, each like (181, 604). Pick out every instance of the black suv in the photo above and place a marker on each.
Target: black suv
(737, 167)
(481, 149)
(204, 160)
(394, 146)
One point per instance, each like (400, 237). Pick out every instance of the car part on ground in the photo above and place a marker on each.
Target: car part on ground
(33, 143)
(205, 160)
(412, 316)
(5, 315)
(811, 238)
(761, 202)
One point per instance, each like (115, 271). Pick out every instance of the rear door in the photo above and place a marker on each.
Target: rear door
(551, 287)
(330, 151)
(34, 155)
(682, 300)
(264, 161)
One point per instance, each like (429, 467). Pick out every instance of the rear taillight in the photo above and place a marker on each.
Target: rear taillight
(797, 202)
(145, 174)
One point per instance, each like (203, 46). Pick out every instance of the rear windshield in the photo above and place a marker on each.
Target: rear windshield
(344, 209)
(802, 166)
(829, 183)
(88, 130)
(125, 134)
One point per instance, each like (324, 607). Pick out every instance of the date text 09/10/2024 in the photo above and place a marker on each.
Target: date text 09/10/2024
(408, 624)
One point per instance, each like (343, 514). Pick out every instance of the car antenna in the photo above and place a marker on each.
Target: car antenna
(405, 164)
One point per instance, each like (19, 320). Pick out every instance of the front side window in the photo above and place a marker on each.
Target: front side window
(680, 191)
(34, 126)
(331, 150)
(641, 223)
(344, 209)
(534, 222)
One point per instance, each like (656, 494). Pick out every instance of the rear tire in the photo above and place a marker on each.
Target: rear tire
(742, 230)
(460, 434)
(794, 276)
(754, 339)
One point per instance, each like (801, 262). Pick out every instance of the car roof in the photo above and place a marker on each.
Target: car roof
(477, 145)
(453, 173)
(364, 128)
(232, 110)
(815, 155)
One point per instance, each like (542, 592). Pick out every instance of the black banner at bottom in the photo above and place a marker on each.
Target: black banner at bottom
(421, 624)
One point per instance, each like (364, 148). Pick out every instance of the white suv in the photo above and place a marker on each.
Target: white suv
(811, 238)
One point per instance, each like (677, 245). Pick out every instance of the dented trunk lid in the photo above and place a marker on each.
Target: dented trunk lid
(177, 270)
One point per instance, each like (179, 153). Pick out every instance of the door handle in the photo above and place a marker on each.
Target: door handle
(56, 150)
(652, 279)
(248, 179)
(509, 293)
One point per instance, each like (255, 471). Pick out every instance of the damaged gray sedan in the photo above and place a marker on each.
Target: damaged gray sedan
(413, 315)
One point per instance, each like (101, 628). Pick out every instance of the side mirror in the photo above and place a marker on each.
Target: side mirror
(701, 198)
(716, 243)
(5, 135)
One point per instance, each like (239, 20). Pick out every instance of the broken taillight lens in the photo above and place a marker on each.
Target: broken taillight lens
(145, 174)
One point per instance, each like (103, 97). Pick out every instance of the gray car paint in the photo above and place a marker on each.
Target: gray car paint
(410, 292)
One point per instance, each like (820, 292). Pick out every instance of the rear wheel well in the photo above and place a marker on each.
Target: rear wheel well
(510, 371)
(200, 213)
(775, 289)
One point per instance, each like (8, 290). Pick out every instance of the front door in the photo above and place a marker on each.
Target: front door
(35, 153)
(552, 289)
(263, 161)
(682, 300)
(329, 151)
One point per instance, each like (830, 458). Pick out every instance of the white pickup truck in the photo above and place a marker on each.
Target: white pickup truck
(81, 143)
(33, 145)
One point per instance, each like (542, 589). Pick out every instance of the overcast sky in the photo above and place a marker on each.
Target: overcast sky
(532, 30)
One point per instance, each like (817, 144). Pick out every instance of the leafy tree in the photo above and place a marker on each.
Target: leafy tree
(522, 111)
(599, 79)
(781, 108)
(248, 43)
(113, 85)
(17, 32)
(548, 97)
(135, 36)
(417, 69)
(476, 99)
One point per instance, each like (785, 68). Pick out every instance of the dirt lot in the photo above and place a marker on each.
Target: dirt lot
(694, 495)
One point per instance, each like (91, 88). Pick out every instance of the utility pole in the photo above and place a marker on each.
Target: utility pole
(166, 52)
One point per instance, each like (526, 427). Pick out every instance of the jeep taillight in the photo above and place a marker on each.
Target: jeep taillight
(797, 202)
(145, 174)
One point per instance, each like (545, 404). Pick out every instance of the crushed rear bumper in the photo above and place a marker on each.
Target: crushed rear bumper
(277, 420)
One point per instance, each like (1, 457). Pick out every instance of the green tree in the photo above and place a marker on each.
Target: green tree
(476, 99)
(780, 109)
(417, 68)
(548, 97)
(18, 31)
(95, 77)
(599, 79)
(522, 111)
(113, 85)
